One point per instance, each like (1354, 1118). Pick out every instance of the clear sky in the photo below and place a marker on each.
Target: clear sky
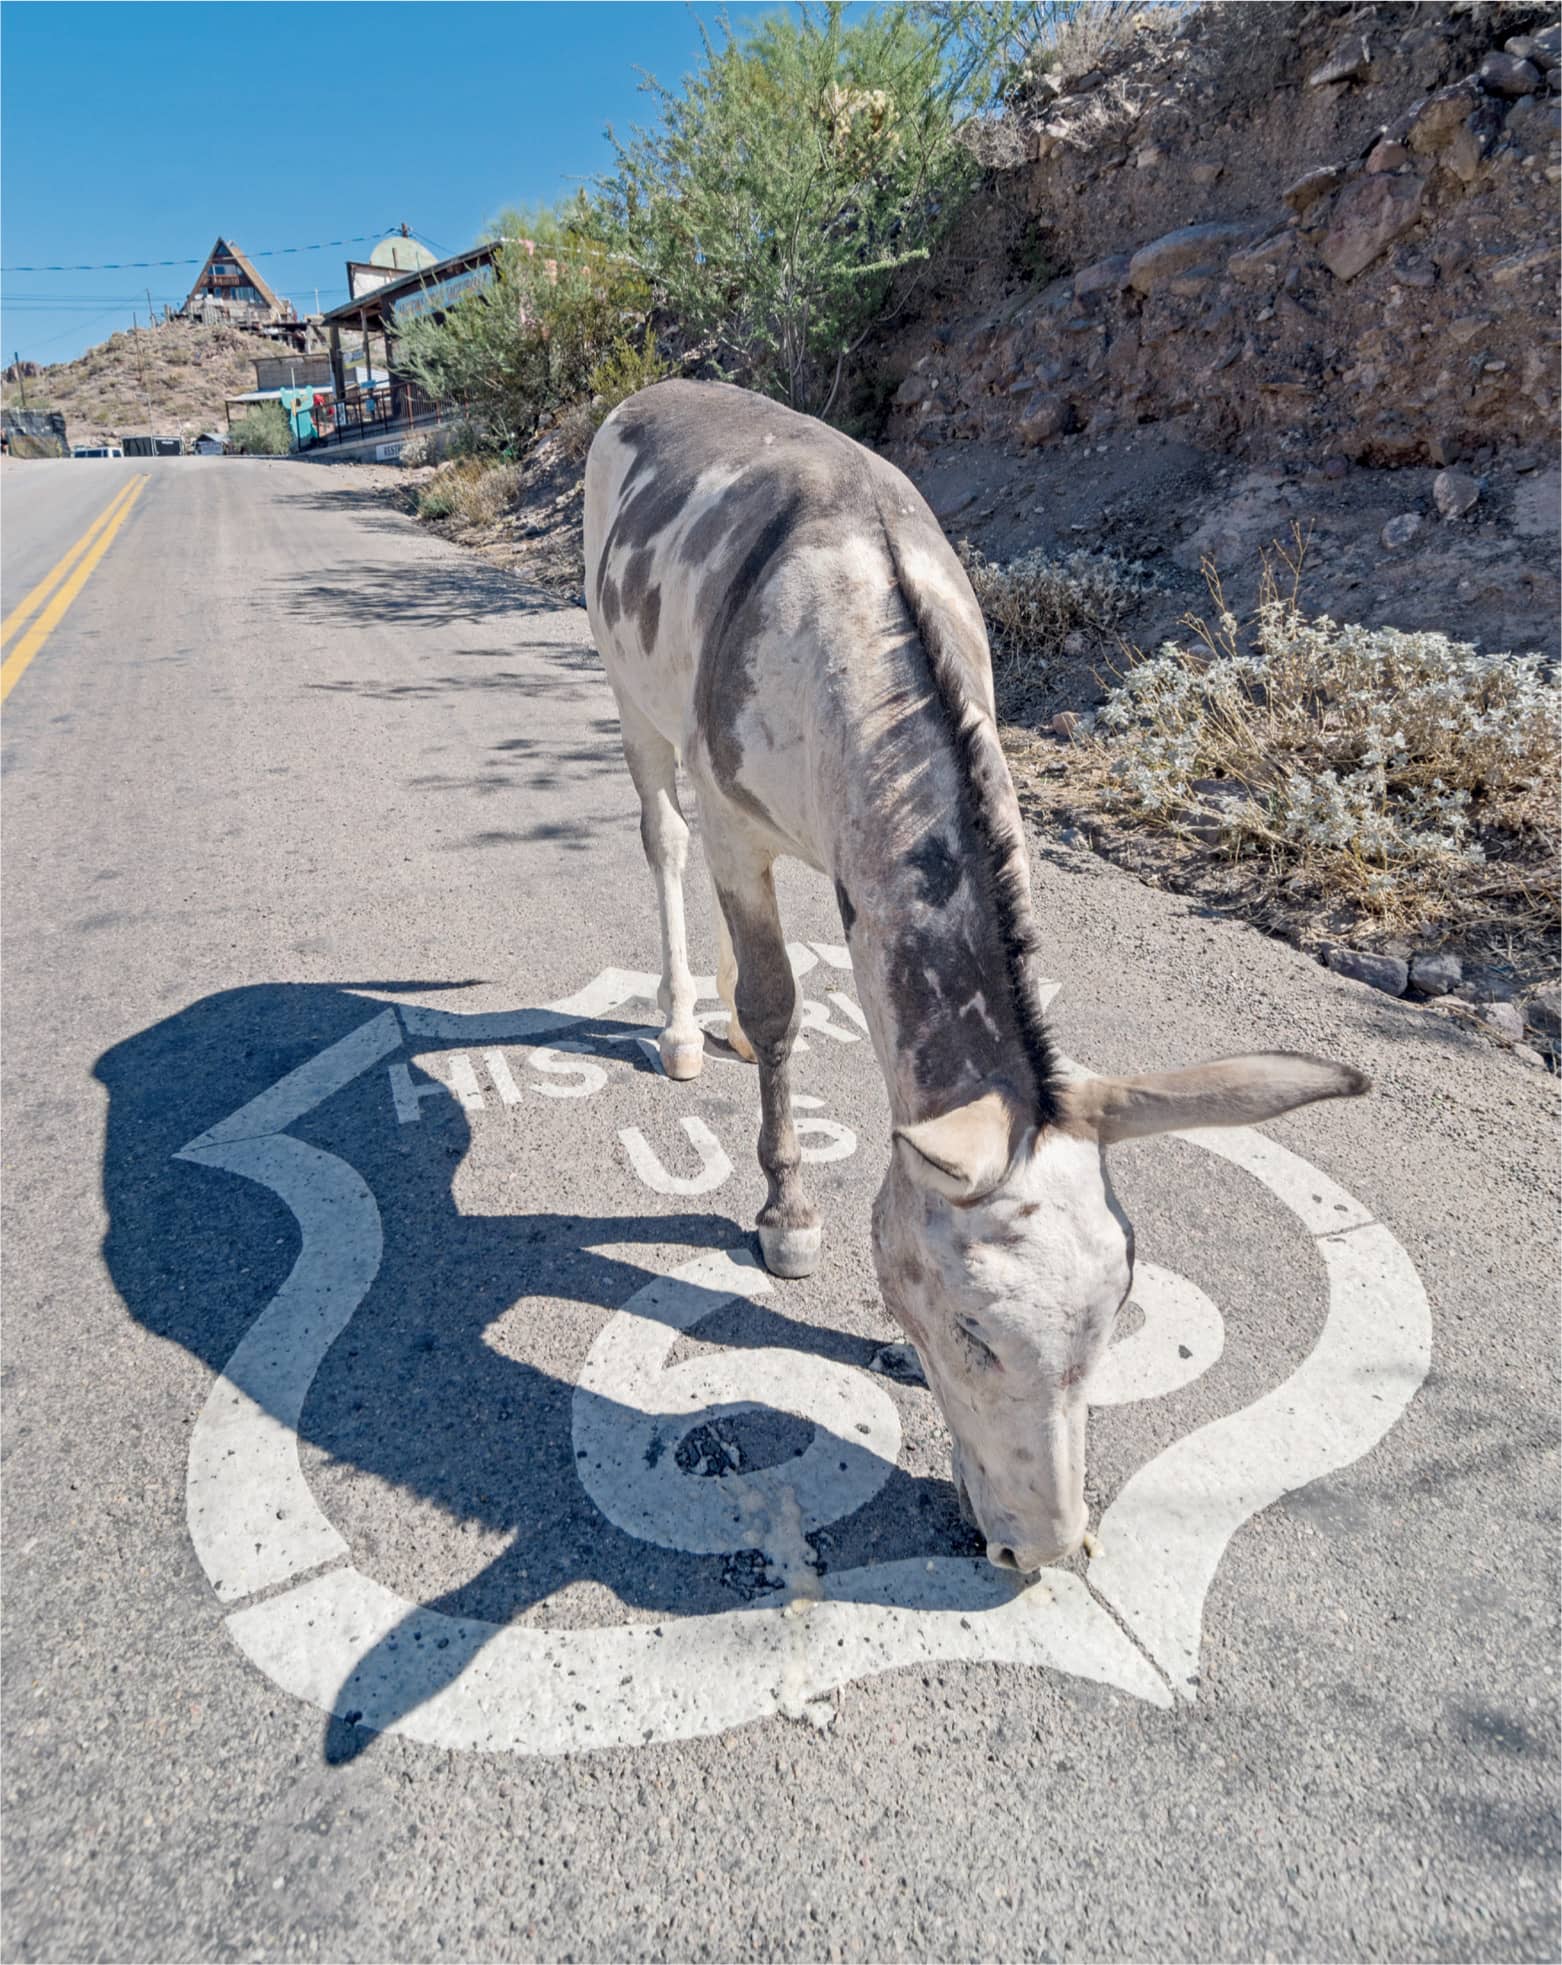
(134, 131)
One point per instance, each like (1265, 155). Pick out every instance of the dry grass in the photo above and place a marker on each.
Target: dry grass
(477, 490)
(1404, 775)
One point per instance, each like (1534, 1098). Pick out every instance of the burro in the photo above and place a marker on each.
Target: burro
(778, 610)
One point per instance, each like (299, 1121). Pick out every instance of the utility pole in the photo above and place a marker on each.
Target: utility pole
(135, 342)
(21, 382)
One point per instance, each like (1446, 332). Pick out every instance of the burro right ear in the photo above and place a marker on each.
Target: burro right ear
(1230, 1092)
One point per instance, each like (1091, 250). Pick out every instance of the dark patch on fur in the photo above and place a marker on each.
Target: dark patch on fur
(843, 901)
(700, 542)
(937, 987)
(607, 602)
(985, 794)
(634, 586)
(940, 872)
(650, 617)
(724, 681)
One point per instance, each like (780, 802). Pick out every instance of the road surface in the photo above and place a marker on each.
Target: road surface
(428, 1536)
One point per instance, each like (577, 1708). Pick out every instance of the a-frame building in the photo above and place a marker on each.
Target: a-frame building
(228, 288)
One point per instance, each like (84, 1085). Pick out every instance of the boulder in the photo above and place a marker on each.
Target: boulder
(1387, 156)
(1434, 122)
(1104, 276)
(1506, 75)
(1262, 265)
(1543, 1013)
(1369, 216)
(1439, 974)
(1454, 493)
(1507, 1019)
(1350, 58)
(1313, 185)
(1046, 418)
(1399, 531)
(1386, 972)
(1152, 266)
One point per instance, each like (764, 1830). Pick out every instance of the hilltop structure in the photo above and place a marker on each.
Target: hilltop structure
(228, 288)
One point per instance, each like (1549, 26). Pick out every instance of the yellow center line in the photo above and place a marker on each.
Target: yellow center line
(54, 613)
(58, 571)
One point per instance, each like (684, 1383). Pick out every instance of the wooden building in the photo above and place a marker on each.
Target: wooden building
(228, 288)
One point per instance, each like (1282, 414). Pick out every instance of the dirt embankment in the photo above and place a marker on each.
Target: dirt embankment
(180, 370)
(1264, 264)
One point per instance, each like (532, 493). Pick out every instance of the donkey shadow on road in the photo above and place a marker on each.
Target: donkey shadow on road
(477, 1439)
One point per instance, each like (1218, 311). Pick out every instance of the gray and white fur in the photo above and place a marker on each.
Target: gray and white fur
(778, 610)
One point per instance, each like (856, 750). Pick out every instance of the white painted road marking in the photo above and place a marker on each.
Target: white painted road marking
(1182, 1336)
(715, 1167)
(348, 1645)
(631, 1412)
(252, 1517)
(1163, 1537)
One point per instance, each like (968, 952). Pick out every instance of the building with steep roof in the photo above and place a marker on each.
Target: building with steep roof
(228, 288)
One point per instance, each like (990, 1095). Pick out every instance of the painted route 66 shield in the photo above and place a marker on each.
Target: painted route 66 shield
(526, 1453)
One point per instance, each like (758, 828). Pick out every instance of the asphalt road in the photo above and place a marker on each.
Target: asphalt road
(402, 1563)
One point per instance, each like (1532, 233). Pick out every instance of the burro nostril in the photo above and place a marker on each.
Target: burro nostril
(1001, 1556)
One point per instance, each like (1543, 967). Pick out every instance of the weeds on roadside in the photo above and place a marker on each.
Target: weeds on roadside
(1032, 603)
(476, 489)
(1403, 773)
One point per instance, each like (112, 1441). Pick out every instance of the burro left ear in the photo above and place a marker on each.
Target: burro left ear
(1229, 1092)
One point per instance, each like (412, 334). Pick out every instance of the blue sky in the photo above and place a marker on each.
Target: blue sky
(136, 131)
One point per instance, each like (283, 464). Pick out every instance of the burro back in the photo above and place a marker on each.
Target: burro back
(779, 612)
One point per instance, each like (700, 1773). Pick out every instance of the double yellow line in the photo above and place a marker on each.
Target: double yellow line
(61, 584)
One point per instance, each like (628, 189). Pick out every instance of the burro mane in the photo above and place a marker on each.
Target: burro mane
(990, 812)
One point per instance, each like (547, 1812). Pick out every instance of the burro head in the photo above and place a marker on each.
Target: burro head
(1005, 1255)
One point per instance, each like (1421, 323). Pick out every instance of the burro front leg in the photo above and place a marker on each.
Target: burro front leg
(664, 833)
(769, 1011)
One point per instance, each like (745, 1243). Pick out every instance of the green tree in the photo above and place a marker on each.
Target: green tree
(263, 431)
(797, 173)
(527, 344)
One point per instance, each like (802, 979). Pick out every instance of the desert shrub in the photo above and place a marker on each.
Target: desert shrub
(794, 175)
(1076, 39)
(475, 489)
(263, 431)
(625, 368)
(527, 344)
(1032, 603)
(1408, 774)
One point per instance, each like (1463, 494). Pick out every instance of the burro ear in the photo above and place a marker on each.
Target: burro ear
(965, 1153)
(1229, 1092)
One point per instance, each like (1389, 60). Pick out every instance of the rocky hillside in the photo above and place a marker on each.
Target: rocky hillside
(1265, 264)
(187, 368)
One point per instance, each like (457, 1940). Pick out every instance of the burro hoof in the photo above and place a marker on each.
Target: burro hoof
(790, 1251)
(681, 1056)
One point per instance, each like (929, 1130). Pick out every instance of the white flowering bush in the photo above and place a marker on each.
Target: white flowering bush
(1407, 773)
(1033, 602)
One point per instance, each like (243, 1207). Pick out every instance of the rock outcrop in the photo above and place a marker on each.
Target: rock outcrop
(1300, 231)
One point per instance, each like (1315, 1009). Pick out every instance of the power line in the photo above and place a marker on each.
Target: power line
(136, 265)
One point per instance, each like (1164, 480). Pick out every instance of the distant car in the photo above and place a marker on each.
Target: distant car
(96, 450)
